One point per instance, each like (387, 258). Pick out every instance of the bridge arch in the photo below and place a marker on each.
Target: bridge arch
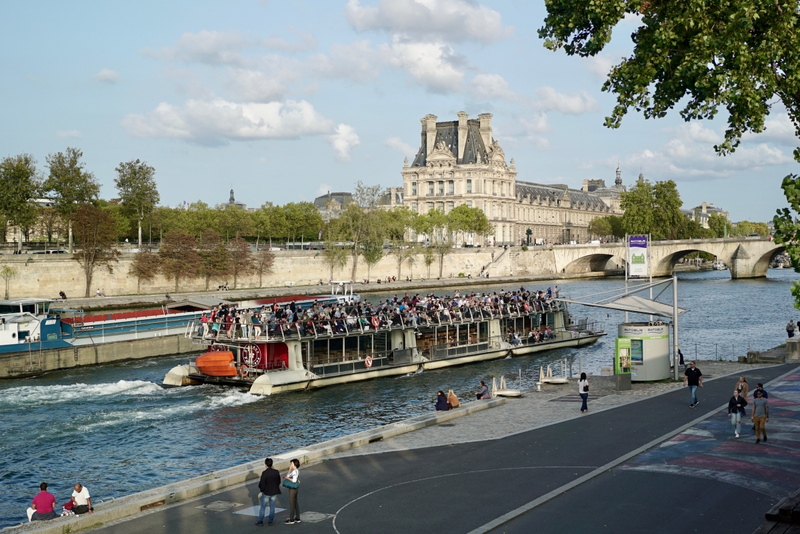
(593, 263)
(666, 265)
(762, 262)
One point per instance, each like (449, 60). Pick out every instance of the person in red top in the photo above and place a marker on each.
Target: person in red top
(42, 507)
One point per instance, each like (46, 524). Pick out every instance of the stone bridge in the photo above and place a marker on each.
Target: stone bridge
(746, 257)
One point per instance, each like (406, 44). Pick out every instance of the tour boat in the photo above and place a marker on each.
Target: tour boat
(382, 345)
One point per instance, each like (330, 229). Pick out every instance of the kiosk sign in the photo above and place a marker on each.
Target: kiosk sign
(637, 255)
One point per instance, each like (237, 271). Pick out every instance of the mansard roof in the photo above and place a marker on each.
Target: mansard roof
(553, 193)
(447, 133)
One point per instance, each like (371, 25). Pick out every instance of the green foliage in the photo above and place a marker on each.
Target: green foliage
(653, 209)
(19, 186)
(178, 255)
(7, 273)
(241, 260)
(214, 256)
(69, 183)
(144, 267)
(137, 191)
(698, 54)
(787, 228)
(719, 225)
(96, 237)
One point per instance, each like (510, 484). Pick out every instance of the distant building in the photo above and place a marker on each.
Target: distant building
(612, 196)
(700, 213)
(233, 204)
(331, 205)
(460, 163)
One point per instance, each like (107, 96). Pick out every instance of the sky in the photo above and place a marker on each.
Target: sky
(285, 100)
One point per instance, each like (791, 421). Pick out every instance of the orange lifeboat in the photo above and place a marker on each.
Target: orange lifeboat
(216, 363)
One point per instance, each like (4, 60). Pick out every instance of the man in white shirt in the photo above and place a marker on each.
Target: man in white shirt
(81, 500)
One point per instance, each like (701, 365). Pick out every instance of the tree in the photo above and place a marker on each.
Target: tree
(359, 220)
(214, 256)
(241, 258)
(70, 185)
(270, 221)
(264, 262)
(735, 54)
(428, 256)
(178, 255)
(653, 209)
(466, 220)
(144, 267)
(51, 222)
(96, 237)
(719, 225)
(234, 221)
(600, 227)
(200, 217)
(19, 186)
(137, 190)
(7, 273)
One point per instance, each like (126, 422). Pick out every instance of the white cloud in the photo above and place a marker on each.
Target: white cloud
(255, 86)
(430, 20)
(570, 104)
(218, 121)
(107, 76)
(491, 87)
(207, 47)
(599, 65)
(69, 134)
(306, 42)
(398, 144)
(434, 66)
(343, 141)
(356, 61)
(779, 129)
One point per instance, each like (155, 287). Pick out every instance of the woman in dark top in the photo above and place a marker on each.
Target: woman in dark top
(441, 402)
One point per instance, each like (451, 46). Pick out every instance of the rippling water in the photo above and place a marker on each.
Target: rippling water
(115, 429)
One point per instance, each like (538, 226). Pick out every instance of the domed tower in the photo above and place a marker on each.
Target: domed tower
(618, 181)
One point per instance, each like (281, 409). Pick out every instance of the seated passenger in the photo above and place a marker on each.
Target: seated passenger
(42, 507)
(452, 400)
(441, 402)
(483, 392)
(81, 500)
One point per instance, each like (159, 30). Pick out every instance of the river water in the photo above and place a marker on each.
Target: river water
(116, 430)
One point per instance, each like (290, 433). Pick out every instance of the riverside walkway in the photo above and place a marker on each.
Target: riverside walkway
(636, 463)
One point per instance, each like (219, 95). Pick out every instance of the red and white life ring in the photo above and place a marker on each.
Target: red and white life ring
(368, 361)
(527, 307)
(376, 322)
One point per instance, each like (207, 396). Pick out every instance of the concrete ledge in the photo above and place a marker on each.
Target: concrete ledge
(137, 503)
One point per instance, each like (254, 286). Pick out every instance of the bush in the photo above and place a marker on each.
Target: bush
(524, 248)
(462, 275)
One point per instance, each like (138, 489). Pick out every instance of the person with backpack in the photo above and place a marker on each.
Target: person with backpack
(790, 328)
(583, 391)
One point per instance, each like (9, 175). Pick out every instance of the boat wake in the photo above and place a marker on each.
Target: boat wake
(39, 395)
(415, 373)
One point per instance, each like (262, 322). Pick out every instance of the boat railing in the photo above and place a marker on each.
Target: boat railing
(162, 324)
(377, 360)
(455, 349)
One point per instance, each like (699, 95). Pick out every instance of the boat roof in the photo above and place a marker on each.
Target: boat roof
(18, 302)
(198, 303)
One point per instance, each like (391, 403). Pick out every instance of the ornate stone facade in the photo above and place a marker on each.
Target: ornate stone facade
(460, 163)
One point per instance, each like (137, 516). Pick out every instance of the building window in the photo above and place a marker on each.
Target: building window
(441, 188)
(494, 187)
(430, 189)
(484, 187)
(469, 174)
(469, 203)
(469, 185)
(451, 188)
(414, 207)
(430, 206)
(414, 189)
(450, 207)
(440, 206)
(492, 203)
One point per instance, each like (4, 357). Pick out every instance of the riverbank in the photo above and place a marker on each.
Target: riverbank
(476, 421)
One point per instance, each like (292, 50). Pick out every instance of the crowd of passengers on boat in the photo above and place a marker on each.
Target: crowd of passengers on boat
(292, 320)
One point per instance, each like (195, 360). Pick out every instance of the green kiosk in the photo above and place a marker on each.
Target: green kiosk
(646, 347)
(622, 363)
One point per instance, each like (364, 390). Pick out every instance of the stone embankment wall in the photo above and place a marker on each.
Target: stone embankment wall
(44, 276)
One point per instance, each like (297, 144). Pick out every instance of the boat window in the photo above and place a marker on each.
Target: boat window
(335, 350)
(304, 355)
(382, 342)
(320, 351)
(365, 344)
(9, 308)
(351, 347)
(425, 338)
(483, 332)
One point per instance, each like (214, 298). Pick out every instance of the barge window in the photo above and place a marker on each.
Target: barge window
(483, 332)
(365, 344)
(351, 348)
(320, 351)
(335, 350)
(382, 342)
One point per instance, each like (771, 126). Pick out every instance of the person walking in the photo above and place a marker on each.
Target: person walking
(760, 415)
(736, 406)
(790, 328)
(583, 391)
(270, 486)
(292, 481)
(742, 387)
(694, 379)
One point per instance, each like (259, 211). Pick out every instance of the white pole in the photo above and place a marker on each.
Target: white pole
(627, 260)
(675, 358)
(650, 268)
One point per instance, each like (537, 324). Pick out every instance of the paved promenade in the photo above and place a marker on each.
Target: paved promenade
(642, 461)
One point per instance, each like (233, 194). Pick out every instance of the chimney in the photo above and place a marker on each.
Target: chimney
(429, 132)
(585, 186)
(486, 128)
(462, 134)
(703, 207)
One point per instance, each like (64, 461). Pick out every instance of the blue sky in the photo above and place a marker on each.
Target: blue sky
(284, 100)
